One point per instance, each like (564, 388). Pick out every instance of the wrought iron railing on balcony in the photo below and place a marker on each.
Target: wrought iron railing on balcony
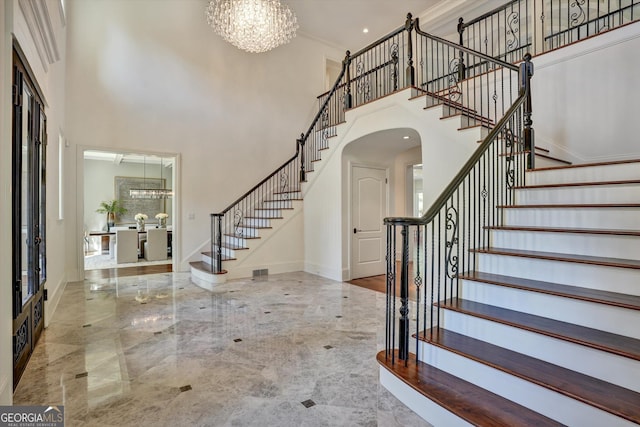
(454, 224)
(538, 26)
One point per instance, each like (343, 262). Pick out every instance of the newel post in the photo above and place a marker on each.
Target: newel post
(347, 95)
(300, 150)
(216, 243)
(526, 72)
(403, 327)
(461, 67)
(411, 72)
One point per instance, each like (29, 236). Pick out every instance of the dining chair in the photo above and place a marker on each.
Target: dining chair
(126, 246)
(155, 248)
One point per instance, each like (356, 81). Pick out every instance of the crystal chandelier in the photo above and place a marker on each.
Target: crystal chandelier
(252, 25)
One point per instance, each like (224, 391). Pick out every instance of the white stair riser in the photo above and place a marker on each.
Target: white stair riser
(418, 403)
(616, 320)
(205, 280)
(267, 213)
(236, 241)
(246, 232)
(543, 162)
(621, 193)
(609, 367)
(613, 279)
(598, 218)
(256, 222)
(225, 251)
(539, 399)
(207, 260)
(287, 196)
(278, 204)
(626, 171)
(611, 246)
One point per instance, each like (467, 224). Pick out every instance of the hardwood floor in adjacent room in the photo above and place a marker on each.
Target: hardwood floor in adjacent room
(111, 273)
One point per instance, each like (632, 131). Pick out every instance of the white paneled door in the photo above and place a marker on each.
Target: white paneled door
(369, 208)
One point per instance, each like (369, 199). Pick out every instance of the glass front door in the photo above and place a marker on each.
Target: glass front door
(29, 209)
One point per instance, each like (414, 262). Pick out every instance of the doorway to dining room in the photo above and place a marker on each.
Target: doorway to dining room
(126, 191)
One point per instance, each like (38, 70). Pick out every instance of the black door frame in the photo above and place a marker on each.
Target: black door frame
(28, 315)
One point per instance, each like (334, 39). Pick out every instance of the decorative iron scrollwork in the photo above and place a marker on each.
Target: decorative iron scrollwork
(20, 340)
(393, 50)
(324, 137)
(509, 144)
(284, 183)
(363, 87)
(513, 23)
(455, 90)
(37, 312)
(418, 279)
(577, 16)
(324, 118)
(238, 216)
(452, 241)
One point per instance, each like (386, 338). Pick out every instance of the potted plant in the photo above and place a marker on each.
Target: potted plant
(112, 208)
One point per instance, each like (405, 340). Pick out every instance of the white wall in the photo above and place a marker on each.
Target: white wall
(586, 97)
(152, 76)
(6, 353)
(326, 208)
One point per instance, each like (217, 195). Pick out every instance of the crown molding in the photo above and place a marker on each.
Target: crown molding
(38, 18)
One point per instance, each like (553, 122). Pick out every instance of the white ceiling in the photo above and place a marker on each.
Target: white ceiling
(340, 22)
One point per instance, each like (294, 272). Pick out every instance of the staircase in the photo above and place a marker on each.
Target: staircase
(245, 233)
(544, 329)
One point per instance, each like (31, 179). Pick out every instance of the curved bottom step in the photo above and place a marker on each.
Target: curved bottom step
(202, 276)
(457, 402)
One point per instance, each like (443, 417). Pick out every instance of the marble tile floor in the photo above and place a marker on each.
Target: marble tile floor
(290, 350)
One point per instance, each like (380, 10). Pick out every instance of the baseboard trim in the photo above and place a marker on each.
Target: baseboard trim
(326, 272)
(274, 268)
(55, 295)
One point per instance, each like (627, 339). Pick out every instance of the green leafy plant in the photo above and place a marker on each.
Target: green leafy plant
(112, 208)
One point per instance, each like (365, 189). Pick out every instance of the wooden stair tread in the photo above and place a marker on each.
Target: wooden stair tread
(580, 184)
(555, 159)
(471, 115)
(271, 209)
(583, 165)
(612, 232)
(608, 397)
(242, 237)
(477, 125)
(572, 205)
(468, 401)
(594, 338)
(233, 247)
(262, 217)
(287, 192)
(203, 266)
(553, 256)
(575, 292)
(543, 155)
(282, 200)
(224, 257)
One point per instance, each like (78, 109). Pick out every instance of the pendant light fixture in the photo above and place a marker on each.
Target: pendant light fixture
(151, 193)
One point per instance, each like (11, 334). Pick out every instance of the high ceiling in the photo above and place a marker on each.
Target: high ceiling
(341, 22)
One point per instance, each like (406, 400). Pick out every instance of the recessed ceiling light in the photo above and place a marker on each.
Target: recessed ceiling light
(405, 137)
(365, 30)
